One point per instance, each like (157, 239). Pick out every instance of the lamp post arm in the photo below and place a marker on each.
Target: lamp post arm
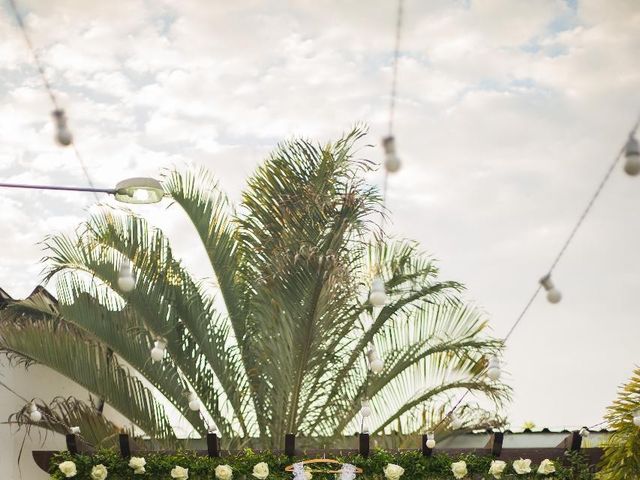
(55, 187)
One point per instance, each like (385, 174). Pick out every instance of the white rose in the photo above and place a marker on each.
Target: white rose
(497, 468)
(99, 472)
(68, 468)
(180, 473)
(224, 472)
(522, 466)
(459, 469)
(392, 471)
(546, 467)
(137, 463)
(261, 470)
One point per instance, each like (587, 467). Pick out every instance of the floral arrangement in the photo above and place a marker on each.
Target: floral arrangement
(380, 465)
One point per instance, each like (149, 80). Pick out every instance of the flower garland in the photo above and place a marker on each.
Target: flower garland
(410, 465)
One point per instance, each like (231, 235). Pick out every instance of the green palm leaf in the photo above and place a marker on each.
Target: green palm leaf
(277, 343)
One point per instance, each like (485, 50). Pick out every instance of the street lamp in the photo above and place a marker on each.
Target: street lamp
(138, 190)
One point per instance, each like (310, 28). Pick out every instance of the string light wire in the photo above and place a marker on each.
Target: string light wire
(385, 178)
(396, 58)
(47, 86)
(557, 258)
(575, 229)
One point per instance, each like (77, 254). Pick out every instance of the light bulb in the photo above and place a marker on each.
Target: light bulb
(493, 370)
(34, 414)
(553, 294)
(194, 403)
(377, 365)
(391, 162)
(126, 280)
(74, 430)
(584, 432)
(636, 418)
(141, 195)
(157, 352)
(377, 297)
(365, 411)
(431, 440)
(456, 423)
(493, 373)
(375, 362)
(63, 135)
(632, 156)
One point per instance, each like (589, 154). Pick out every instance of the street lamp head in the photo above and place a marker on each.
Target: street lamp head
(139, 190)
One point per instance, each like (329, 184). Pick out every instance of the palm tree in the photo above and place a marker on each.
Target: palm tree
(277, 343)
(621, 456)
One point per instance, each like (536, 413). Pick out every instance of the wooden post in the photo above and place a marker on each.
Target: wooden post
(213, 449)
(426, 451)
(497, 438)
(576, 441)
(364, 444)
(125, 448)
(290, 444)
(72, 443)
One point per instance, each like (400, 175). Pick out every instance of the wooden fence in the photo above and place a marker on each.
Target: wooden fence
(493, 448)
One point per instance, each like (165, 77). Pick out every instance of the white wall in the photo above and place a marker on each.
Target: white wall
(35, 382)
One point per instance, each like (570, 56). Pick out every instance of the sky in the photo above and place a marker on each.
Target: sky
(509, 113)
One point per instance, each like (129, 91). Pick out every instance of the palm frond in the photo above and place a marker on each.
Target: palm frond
(276, 344)
(63, 348)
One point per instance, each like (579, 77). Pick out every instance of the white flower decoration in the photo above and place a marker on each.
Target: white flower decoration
(261, 470)
(459, 469)
(137, 463)
(99, 472)
(393, 471)
(68, 468)
(307, 473)
(497, 468)
(224, 472)
(180, 473)
(546, 467)
(522, 466)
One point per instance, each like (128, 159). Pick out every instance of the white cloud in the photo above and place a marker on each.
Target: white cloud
(508, 115)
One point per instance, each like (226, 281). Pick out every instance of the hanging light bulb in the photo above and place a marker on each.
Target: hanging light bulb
(391, 161)
(375, 362)
(553, 294)
(493, 369)
(158, 350)
(63, 135)
(74, 430)
(126, 280)
(431, 440)
(194, 403)
(377, 296)
(636, 418)
(456, 423)
(34, 414)
(632, 156)
(584, 432)
(365, 409)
